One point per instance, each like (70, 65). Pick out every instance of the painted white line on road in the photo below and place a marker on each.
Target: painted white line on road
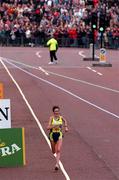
(81, 53)
(88, 67)
(38, 54)
(99, 73)
(29, 66)
(20, 63)
(94, 71)
(66, 91)
(43, 70)
(32, 112)
(67, 77)
(84, 82)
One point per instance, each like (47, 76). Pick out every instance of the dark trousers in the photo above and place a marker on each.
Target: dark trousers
(53, 55)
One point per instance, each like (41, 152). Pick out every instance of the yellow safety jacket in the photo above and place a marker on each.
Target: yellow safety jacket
(53, 44)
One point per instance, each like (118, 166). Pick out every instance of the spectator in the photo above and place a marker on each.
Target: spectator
(39, 18)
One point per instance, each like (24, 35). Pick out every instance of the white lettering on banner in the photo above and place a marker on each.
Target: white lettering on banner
(5, 113)
(4, 151)
(15, 148)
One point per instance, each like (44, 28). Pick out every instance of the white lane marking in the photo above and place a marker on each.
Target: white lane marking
(67, 77)
(38, 54)
(99, 73)
(94, 71)
(40, 68)
(85, 82)
(66, 91)
(43, 70)
(81, 53)
(33, 114)
(88, 68)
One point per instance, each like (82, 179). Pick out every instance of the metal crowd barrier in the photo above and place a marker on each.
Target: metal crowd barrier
(83, 42)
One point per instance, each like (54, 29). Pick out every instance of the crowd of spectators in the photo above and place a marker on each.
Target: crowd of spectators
(31, 22)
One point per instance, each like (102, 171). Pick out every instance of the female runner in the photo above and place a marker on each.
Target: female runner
(55, 125)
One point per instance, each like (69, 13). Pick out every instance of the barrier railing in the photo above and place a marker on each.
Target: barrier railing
(83, 42)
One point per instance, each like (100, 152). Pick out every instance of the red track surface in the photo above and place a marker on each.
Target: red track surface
(91, 147)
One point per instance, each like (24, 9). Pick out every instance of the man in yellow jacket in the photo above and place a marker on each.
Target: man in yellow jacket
(53, 46)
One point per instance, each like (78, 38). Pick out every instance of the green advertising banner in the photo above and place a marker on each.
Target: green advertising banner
(12, 147)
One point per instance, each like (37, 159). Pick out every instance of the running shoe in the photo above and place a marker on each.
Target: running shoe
(56, 167)
(51, 63)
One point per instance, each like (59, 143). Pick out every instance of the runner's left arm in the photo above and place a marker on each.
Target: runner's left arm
(65, 124)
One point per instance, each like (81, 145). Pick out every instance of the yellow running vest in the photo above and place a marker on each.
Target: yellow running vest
(57, 122)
